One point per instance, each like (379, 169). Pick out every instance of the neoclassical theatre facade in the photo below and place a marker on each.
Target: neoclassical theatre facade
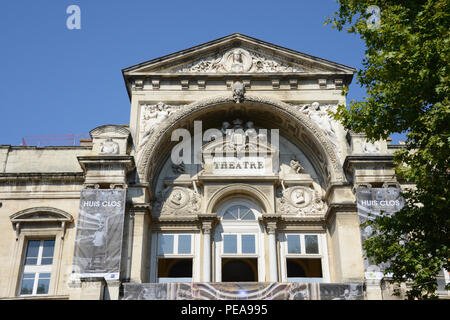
(231, 181)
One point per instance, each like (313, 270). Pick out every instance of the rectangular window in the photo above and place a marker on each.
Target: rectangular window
(175, 257)
(174, 244)
(302, 258)
(37, 267)
(239, 244)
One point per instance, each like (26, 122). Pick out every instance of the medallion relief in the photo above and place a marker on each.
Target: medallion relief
(177, 201)
(299, 201)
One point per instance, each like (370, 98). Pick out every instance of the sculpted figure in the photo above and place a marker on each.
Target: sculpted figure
(237, 64)
(295, 165)
(298, 196)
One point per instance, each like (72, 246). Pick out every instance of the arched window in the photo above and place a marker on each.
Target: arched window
(239, 241)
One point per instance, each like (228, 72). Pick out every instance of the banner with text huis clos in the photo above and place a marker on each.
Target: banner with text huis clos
(371, 202)
(98, 243)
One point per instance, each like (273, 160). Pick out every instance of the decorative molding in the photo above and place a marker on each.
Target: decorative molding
(148, 149)
(201, 83)
(293, 84)
(322, 83)
(338, 83)
(276, 84)
(40, 215)
(184, 84)
(155, 83)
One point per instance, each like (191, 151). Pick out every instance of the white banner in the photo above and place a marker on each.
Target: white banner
(371, 202)
(98, 243)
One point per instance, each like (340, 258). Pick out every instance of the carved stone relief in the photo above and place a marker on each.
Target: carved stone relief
(369, 147)
(320, 115)
(238, 91)
(238, 60)
(299, 201)
(151, 115)
(295, 165)
(109, 147)
(177, 201)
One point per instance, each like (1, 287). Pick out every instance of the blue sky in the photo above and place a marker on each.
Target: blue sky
(60, 81)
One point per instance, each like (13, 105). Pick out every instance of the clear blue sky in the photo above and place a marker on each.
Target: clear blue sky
(60, 81)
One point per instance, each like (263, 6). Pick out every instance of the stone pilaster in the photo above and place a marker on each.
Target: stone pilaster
(140, 220)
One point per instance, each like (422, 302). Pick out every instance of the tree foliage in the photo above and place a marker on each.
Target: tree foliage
(406, 75)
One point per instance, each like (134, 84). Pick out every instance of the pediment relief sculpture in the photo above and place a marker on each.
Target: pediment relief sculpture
(177, 201)
(238, 60)
(299, 201)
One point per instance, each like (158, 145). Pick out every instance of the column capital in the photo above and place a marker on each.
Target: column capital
(207, 222)
(271, 222)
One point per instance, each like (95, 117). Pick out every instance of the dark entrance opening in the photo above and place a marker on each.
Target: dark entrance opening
(174, 268)
(239, 270)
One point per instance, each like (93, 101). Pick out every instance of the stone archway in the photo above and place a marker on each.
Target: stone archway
(149, 154)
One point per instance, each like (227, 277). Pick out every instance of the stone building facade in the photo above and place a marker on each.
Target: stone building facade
(266, 196)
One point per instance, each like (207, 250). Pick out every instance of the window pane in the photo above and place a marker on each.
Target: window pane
(228, 216)
(166, 244)
(184, 243)
(230, 243)
(32, 252)
(47, 252)
(247, 214)
(232, 213)
(293, 244)
(27, 283)
(248, 243)
(43, 283)
(311, 244)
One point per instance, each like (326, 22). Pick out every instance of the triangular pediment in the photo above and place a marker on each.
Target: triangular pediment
(237, 54)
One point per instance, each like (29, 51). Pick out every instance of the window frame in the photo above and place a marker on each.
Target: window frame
(155, 255)
(238, 227)
(322, 255)
(36, 269)
(38, 223)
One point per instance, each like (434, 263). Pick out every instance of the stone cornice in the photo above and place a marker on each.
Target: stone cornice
(78, 176)
(358, 159)
(339, 207)
(124, 160)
